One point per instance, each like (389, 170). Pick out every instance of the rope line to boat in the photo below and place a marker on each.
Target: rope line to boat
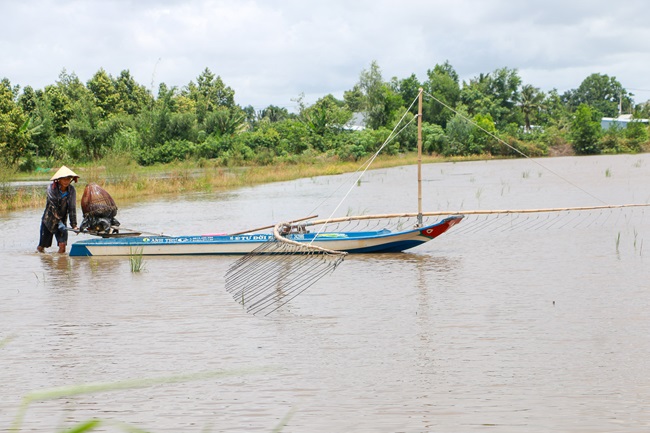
(395, 132)
(513, 148)
(366, 165)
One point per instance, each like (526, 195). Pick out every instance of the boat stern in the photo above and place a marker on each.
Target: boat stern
(79, 250)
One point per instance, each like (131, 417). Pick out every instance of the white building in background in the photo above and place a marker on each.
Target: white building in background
(620, 121)
(357, 123)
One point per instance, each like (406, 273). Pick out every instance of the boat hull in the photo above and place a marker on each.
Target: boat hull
(381, 241)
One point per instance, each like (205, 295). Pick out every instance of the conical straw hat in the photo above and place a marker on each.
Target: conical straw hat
(65, 172)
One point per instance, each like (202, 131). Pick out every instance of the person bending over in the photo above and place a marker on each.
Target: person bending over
(61, 205)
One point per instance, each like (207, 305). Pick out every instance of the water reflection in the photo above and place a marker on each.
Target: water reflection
(57, 271)
(55, 263)
(61, 270)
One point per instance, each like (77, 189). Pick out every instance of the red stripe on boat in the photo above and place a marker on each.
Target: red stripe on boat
(435, 231)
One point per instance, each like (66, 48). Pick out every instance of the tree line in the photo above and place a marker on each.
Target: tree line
(494, 113)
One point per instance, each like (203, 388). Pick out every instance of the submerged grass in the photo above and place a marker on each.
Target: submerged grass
(136, 260)
(127, 181)
(5, 341)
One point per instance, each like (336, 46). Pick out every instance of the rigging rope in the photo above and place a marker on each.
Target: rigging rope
(513, 148)
(281, 269)
(366, 165)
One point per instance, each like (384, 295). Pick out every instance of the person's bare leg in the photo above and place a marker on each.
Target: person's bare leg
(61, 247)
(40, 249)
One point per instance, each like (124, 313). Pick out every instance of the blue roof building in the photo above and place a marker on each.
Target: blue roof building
(620, 121)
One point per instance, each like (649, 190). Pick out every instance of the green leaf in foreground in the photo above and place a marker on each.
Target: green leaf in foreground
(89, 388)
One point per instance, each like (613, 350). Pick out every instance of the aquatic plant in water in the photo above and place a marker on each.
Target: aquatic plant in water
(136, 260)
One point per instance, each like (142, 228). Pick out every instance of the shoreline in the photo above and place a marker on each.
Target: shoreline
(126, 182)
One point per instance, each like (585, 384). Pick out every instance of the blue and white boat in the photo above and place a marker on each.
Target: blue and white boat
(335, 236)
(377, 241)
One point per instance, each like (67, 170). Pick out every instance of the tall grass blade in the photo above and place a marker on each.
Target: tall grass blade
(136, 260)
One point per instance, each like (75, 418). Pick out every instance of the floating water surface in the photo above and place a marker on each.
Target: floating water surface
(498, 329)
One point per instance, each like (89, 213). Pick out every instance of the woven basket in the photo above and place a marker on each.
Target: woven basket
(96, 202)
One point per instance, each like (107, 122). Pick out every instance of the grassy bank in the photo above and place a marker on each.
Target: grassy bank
(126, 181)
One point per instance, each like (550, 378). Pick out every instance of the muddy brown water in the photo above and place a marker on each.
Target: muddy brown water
(487, 328)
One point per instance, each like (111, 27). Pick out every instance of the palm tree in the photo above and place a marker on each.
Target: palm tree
(530, 103)
(275, 114)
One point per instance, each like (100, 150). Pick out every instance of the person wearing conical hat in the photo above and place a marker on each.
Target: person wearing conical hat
(61, 205)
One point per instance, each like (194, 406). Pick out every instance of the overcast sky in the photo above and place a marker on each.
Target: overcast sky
(271, 51)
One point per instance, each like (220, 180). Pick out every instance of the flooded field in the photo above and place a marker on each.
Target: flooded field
(491, 327)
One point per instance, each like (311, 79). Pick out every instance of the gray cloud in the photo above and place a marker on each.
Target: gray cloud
(270, 52)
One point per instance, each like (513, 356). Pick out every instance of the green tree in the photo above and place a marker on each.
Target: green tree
(553, 110)
(601, 92)
(152, 124)
(54, 113)
(586, 130)
(86, 126)
(71, 86)
(41, 118)
(530, 103)
(380, 101)
(225, 121)
(355, 99)
(408, 89)
(484, 138)
(295, 136)
(495, 94)
(371, 85)
(642, 111)
(209, 93)
(434, 138)
(106, 97)
(442, 84)
(252, 116)
(40, 122)
(327, 115)
(132, 97)
(274, 114)
(459, 136)
(28, 100)
(14, 125)
(58, 107)
(636, 133)
(182, 126)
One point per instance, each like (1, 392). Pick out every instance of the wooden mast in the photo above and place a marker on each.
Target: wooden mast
(420, 157)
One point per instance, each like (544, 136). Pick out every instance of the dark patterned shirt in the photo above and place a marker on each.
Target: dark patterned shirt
(59, 206)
